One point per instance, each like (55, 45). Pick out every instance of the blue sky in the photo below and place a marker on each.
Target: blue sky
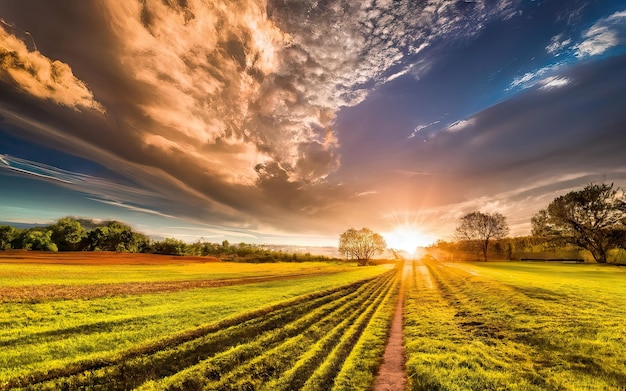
(291, 121)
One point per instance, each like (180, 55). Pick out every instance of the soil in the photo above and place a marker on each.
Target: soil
(392, 376)
(97, 258)
(39, 293)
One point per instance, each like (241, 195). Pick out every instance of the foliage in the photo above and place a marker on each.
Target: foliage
(592, 218)
(68, 234)
(170, 246)
(7, 235)
(361, 245)
(116, 236)
(36, 239)
(480, 228)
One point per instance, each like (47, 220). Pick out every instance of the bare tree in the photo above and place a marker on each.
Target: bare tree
(361, 245)
(480, 228)
(592, 218)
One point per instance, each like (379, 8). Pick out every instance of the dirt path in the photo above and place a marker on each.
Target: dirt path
(392, 376)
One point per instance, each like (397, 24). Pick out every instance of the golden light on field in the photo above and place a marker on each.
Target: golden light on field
(407, 238)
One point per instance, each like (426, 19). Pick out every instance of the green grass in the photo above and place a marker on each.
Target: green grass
(516, 326)
(53, 335)
(33, 274)
(283, 358)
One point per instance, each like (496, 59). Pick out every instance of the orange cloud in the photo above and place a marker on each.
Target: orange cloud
(42, 77)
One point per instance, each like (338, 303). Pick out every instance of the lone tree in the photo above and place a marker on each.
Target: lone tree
(592, 218)
(361, 245)
(480, 228)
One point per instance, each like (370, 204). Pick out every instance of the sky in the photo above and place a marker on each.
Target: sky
(290, 121)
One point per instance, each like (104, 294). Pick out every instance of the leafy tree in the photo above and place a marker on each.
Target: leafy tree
(170, 246)
(480, 228)
(37, 239)
(592, 218)
(115, 236)
(7, 235)
(68, 234)
(361, 245)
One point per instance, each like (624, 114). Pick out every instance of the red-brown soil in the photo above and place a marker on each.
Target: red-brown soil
(97, 258)
(38, 293)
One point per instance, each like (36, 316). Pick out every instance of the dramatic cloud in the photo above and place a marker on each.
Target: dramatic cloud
(40, 76)
(296, 115)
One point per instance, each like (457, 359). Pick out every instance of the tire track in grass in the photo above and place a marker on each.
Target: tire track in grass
(545, 333)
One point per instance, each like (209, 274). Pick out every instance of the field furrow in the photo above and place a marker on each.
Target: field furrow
(323, 378)
(174, 354)
(170, 354)
(267, 355)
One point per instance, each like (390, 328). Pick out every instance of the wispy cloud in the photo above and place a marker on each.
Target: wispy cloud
(366, 193)
(605, 34)
(557, 44)
(98, 189)
(530, 79)
(602, 36)
(553, 82)
(419, 128)
(460, 125)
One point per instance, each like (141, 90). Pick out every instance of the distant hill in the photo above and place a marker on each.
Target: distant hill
(22, 225)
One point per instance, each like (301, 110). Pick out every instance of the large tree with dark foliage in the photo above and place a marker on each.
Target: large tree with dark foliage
(68, 234)
(479, 228)
(592, 218)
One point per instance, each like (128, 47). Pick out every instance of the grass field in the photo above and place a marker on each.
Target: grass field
(316, 314)
(111, 322)
(516, 326)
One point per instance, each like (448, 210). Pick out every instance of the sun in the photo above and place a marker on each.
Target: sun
(407, 238)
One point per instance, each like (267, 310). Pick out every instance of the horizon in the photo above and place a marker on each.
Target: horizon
(293, 121)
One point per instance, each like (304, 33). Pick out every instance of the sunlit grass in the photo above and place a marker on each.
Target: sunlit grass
(521, 326)
(36, 337)
(18, 274)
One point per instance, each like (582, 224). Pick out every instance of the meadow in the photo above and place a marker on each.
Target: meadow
(516, 326)
(266, 324)
(159, 323)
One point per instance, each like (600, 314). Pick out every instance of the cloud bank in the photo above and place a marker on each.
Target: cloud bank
(228, 112)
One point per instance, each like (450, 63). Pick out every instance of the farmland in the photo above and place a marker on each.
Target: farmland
(311, 316)
(151, 323)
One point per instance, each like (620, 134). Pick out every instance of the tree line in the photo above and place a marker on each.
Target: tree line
(593, 219)
(73, 234)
